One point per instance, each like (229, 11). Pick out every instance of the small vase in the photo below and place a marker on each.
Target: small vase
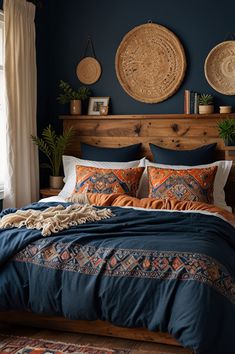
(104, 110)
(76, 107)
(206, 109)
(56, 182)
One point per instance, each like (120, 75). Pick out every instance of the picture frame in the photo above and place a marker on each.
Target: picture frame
(95, 103)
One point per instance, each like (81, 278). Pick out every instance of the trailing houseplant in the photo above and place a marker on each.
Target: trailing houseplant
(53, 146)
(226, 129)
(206, 104)
(72, 96)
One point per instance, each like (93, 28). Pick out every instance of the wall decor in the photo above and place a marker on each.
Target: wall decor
(220, 68)
(95, 103)
(150, 63)
(88, 69)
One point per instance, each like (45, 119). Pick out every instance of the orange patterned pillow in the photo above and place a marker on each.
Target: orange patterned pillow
(194, 184)
(107, 181)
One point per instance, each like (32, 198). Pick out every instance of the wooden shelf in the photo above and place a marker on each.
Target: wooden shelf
(149, 116)
(229, 148)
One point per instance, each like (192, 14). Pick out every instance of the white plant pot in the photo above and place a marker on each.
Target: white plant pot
(206, 109)
(56, 182)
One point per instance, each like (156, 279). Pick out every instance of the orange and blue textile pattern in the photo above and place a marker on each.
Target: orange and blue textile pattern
(192, 184)
(107, 181)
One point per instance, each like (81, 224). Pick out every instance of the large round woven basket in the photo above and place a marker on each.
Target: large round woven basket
(88, 70)
(150, 63)
(220, 68)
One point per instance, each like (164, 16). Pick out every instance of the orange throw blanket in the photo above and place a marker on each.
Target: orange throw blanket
(123, 200)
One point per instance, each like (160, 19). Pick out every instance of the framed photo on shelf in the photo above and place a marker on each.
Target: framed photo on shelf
(95, 103)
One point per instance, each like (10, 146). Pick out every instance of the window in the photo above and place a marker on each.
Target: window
(2, 106)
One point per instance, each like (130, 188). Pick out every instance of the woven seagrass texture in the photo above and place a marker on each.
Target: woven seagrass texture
(88, 70)
(220, 68)
(150, 63)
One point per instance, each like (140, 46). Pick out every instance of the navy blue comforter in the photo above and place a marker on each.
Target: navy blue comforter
(167, 271)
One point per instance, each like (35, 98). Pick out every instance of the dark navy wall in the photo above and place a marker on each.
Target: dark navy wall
(63, 27)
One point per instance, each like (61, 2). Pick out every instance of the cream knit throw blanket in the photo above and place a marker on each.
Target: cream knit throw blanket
(54, 219)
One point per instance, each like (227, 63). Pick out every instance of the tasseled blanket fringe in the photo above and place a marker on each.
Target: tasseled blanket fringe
(54, 219)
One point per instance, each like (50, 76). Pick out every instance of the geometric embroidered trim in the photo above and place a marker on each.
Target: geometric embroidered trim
(135, 263)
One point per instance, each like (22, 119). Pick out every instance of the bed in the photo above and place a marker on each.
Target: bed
(177, 289)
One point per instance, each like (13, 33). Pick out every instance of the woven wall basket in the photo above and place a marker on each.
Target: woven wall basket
(150, 63)
(88, 70)
(220, 68)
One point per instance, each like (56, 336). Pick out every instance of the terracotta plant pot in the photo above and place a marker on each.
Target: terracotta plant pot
(76, 107)
(206, 109)
(56, 182)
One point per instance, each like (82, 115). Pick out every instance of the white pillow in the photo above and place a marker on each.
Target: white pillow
(221, 177)
(70, 162)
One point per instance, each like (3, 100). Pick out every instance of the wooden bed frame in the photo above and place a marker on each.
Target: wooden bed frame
(177, 131)
(88, 327)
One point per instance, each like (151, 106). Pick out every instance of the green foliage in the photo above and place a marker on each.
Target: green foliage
(205, 99)
(70, 94)
(53, 146)
(226, 129)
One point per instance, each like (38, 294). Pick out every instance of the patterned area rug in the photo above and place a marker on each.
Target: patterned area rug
(23, 345)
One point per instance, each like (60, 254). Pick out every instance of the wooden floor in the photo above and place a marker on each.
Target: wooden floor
(99, 341)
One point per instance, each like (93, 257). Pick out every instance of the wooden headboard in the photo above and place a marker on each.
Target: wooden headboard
(175, 131)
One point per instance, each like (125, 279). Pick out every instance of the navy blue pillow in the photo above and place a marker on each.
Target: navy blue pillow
(123, 154)
(200, 156)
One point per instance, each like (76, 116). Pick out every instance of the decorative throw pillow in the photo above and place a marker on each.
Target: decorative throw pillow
(203, 155)
(221, 178)
(190, 184)
(107, 181)
(70, 163)
(122, 154)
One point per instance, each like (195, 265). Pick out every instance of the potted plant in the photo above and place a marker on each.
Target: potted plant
(74, 97)
(226, 129)
(206, 104)
(53, 146)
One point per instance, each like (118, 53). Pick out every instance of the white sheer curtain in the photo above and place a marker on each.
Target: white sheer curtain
(2, 107)
(21, 177)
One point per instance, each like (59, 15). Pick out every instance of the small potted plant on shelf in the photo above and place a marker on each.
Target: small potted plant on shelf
(74, 97)
(206, 105)
(53, 146)
(226, 129)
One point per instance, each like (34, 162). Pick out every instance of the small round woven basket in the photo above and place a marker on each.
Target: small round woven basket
(220, 68)
(88, 70)
(150, 63)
